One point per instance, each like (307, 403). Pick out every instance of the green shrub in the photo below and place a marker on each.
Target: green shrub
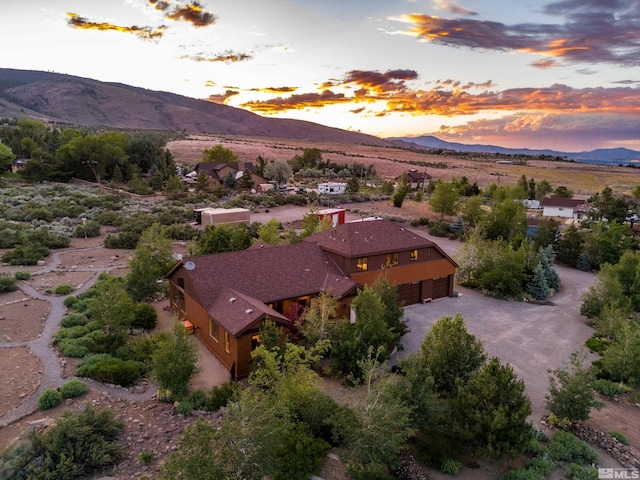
(578, 472)
(77, 445)
(63, 289)
(70, 302)
(419, 222)
(619, 436)
(220, 396)
(438, 228)
(541, 465)
(185, 407)
(606, 387)
(125, 240)
(146, 457)
(145, 316)
(8, 283)
(28, 254)
(73, 347)
(75, 331)
(109, 217)
(522, 474)
(450, 466)
(50, 398)
(198, 399)
(73, 388)
(74, 319)
(108, 369)
(89, 229)
(597, 343)
(22, 275)
(565, 447)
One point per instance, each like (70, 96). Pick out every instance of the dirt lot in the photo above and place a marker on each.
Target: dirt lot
(153, 426)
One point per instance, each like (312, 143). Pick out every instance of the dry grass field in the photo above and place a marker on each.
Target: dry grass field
(583, 179)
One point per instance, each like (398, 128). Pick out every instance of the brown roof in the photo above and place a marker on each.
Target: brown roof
(236, 312)
(213, 168)
(268, 274)
(368, 238)
(561, 202)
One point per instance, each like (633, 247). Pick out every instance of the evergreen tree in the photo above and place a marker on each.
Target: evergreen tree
(537, 285)
(202, 181)
(569, 247)
(490, 410)
(547, 259)
(246, 182)
(230, 181)
(353, 185)
(451, 353)
(584, 262)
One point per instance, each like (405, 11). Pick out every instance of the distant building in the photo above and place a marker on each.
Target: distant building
(332, 188)
(217, 216)
(417, 180)
(337, 215)
(18, 165)
(219, 170)
(560, 207)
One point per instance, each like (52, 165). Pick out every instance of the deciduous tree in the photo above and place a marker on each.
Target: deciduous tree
(219, 154)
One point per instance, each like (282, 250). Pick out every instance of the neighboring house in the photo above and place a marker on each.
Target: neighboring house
(560, 207)
(532, 228)
(219, 170)
(417, 180)
(580, 212)
(228, 296)
(18, 165)
(332, 188)
(531, 204)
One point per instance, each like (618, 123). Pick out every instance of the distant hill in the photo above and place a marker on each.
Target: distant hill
(74, 100)
(615, 156)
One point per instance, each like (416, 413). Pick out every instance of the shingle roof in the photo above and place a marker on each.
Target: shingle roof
(368, 238)
(236, 311)
(268, 274)
(561, 202)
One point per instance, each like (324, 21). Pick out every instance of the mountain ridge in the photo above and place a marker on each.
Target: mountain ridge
(607, 156)
(63, 98)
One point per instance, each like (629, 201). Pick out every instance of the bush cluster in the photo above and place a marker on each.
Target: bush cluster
(73, 388)
(8, 283)
(50, 398)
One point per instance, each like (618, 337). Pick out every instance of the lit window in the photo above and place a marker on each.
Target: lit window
(414, 255)
(214, 329)
(392, 259)
(362, 264)
(227, 342)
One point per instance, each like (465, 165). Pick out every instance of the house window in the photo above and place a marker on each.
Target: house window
(214, 329)
(227, 342)
(361, 265)
(414, 255)
(255, 342)
(392, 259)
(181, 282)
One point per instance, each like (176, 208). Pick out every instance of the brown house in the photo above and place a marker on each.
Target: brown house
(417, 180)
(218, 171)
(228, 296)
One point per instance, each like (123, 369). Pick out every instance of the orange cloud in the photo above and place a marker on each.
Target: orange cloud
(192, 13)
(297, 102)
(451, 97)
(146, 33)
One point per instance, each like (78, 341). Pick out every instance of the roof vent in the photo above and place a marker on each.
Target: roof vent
(232, 300)
(248, 311)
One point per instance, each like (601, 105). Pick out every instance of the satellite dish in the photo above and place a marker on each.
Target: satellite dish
(189, 265)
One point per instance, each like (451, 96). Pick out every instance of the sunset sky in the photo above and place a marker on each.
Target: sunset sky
(561, 74)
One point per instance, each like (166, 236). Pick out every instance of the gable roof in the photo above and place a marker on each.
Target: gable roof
(214, 168)
(561, 202)
(268, 274)
(414, 176)
(368, 238)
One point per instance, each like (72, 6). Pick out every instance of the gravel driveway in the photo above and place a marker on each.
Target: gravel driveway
(532, 338)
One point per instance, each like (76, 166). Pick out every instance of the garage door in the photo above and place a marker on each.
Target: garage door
(440, 287)
(409, 293)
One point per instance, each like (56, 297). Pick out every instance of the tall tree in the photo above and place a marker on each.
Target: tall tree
(219, 154)
(444, 199)
(174, 362)
(490, 410)
(246, 182)
(6, 157)
(223, 238)
(451, 353)
(112, 306)
(278, 170)
(151, 261)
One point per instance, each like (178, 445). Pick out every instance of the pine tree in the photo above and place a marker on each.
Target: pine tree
(537, 285)
(584, 262)
(547, 259)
